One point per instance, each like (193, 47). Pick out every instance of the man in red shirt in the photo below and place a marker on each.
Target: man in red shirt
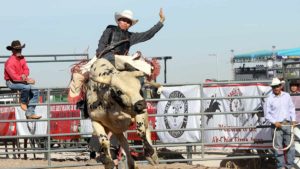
(16, 74)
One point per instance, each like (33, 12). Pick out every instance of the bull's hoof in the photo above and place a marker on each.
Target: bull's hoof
(134, 166)
(153, 160)
(108, 163)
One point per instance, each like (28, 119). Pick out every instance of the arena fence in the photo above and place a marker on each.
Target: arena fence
(63, 126)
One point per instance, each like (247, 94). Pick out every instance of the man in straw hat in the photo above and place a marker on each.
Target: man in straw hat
(280, 111)
(116, 40)
(16, 75)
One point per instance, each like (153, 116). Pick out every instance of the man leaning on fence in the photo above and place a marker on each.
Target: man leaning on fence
(280, 111)
(16, 75)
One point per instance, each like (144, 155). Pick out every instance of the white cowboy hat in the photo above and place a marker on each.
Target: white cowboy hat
(125, 14)
(276, 81)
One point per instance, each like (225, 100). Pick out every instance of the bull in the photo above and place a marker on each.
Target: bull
(114, 103)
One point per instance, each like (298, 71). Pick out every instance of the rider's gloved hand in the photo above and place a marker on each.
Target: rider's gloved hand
(159, 90)
(161, 16)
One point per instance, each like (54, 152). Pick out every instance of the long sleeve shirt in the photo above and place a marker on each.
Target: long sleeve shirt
(296, 101)
(14, 68)
(135, 37)
(279, 108)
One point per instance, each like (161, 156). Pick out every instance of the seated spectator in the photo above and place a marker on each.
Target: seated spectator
(16, 75)
(294, 91)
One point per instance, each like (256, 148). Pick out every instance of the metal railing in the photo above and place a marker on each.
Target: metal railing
(51, 58)
(48, 150)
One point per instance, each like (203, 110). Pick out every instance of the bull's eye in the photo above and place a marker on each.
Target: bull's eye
(119, 92)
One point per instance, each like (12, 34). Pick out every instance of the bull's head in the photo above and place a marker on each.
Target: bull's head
(125, 89)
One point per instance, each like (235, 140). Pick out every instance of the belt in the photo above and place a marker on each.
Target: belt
(285, 122)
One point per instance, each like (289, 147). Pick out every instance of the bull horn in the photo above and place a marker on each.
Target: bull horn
(138, 73)
(102, 79)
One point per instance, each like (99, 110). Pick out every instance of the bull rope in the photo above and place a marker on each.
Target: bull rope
(292, 138)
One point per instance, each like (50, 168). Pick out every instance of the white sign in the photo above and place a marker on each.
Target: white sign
(225, 122)
(174, 108)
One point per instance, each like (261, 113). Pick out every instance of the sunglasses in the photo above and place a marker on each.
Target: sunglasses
(17, 50)
(126, 20)
(273, 87)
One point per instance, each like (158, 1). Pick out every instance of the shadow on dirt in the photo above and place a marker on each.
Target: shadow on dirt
(253, 163)
(163, 154)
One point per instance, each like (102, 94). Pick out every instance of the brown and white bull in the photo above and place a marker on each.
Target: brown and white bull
(114, 102)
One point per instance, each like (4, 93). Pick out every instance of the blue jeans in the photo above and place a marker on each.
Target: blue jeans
(28, 93)
(283, 138)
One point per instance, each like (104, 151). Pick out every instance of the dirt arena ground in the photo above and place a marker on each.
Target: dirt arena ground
(69, 158)
(21, 163)
(83, 158)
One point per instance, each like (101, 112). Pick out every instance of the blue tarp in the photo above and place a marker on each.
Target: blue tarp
(289, 52)
(265, 54)
(259, 55)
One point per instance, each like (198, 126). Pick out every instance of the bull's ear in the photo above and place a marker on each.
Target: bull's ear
(138, 73)
(102, 79)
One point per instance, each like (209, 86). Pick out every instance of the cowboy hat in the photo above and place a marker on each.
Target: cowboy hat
(16, 44)
(276, 81)
(125, 14)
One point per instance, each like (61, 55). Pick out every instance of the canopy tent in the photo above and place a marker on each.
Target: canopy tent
(289, 53)
(264, 55)
(254, 56)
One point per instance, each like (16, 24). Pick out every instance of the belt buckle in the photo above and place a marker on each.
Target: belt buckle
(285, 122)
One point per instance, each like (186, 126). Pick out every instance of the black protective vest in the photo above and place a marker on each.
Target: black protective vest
(116, 36)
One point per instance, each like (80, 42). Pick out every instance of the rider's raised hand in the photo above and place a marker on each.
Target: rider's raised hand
(161, 15)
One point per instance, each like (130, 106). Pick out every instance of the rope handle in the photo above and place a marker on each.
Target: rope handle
(292, 138)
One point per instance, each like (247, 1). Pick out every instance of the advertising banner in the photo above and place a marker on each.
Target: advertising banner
(34, 127)
(7, 128)
(227, 124)
(176, 122)
(64, 126)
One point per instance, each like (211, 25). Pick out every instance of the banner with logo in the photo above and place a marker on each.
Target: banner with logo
(38, 127)
(176, 122)
(64, 126)
(34, 127)
(215, 120)
(235, 120)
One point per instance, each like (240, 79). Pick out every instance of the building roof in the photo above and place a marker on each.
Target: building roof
(264, 55)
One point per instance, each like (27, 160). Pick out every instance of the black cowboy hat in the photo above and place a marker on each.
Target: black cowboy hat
(16, 44)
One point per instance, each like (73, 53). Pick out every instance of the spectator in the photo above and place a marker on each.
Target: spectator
(16, 75)
(294, 87)
(294, 91)
(280, 111)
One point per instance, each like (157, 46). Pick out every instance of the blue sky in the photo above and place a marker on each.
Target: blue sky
(198, 34)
